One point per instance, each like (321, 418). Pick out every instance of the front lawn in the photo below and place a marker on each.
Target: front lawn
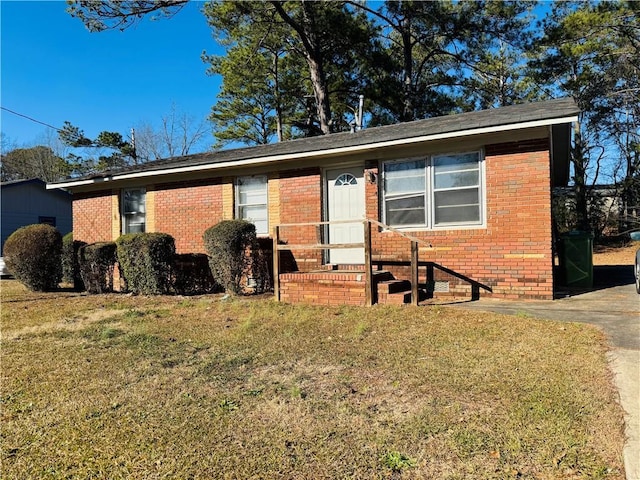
(118, 386)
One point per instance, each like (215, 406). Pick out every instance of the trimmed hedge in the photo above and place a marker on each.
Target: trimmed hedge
(33, 255)
(235, 256)
(192, 275)
(145, 261)
(70, 265)
(96, 262)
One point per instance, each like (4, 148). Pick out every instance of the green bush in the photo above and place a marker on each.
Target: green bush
(70, 265)
(67, 259)
(33, 255)
(192, 275)
(96, 262)
(145, 261)
(236, 260)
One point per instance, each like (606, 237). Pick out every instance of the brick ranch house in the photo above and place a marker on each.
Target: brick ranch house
(459, 205)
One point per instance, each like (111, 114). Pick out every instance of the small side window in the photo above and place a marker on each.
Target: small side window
(133, 210)
(251, 202)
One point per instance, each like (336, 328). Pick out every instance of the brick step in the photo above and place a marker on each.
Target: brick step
(397, 292)
(394, 292)
(380, 276)
(343, 267)
(394, 286)
(400, 298)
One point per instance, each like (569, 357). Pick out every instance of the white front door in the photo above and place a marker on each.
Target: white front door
(345, 201)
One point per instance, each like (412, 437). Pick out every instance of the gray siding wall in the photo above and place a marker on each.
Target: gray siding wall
(25, 204)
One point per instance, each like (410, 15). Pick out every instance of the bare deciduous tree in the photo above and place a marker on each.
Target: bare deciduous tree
(177, 135)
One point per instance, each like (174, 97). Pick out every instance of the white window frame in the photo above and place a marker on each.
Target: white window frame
(478, 186)
(430, 191)
(239, 205)
(123, 214)
(423, 192)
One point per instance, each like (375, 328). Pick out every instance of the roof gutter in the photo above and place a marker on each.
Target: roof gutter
(314, 153)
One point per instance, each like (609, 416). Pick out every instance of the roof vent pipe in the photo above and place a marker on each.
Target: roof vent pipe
(356, 123)
(360, 112)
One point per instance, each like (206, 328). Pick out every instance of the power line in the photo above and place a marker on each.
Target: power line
(32, 119)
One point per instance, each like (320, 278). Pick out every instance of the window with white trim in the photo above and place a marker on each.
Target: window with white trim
(251, 202)
(438, 191)
(133, 210)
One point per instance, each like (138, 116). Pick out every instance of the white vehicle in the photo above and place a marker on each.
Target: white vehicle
(636, 266)
(3, 268)
(637, 270)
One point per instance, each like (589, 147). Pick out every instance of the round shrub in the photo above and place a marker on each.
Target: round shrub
(33, 256)
(70, 265)
(96, 262)
(235, 257)
(145, 261)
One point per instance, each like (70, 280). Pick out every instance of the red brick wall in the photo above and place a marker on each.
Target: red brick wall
(513, 254)
(332, 289)
(301, 202)
(92, 216)
(185, 210)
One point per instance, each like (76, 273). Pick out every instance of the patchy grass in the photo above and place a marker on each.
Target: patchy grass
(115, 386)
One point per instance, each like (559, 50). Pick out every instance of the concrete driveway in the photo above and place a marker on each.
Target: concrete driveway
(614, 306)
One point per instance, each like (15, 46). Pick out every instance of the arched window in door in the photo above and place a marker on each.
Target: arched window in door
(346, 179)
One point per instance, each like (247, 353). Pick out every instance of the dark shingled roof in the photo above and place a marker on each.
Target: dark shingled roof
(528, 112)
(20, 183)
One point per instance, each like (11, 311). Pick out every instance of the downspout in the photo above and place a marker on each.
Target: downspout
(555, 273)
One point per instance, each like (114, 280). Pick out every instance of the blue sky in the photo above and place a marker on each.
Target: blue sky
(53, 69)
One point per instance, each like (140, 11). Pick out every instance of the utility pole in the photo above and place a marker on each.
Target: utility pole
(133, 145)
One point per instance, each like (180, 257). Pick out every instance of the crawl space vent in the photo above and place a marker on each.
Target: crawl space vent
(441, 287)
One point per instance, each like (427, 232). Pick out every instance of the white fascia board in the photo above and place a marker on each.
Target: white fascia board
(76, 183)
(318, 153)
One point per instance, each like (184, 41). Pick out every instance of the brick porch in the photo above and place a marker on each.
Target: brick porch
(345, 287)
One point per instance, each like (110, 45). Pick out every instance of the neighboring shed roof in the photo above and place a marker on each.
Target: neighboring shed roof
(35, 181)
(13, 183)
(515, 116)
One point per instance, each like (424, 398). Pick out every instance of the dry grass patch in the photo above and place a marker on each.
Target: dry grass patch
(615, 254)
(170, 387)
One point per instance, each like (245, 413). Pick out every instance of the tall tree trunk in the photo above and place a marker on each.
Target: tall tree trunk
(313, 55)
(276, 96)
(407, 84)
(319, 82)
(579, 179)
